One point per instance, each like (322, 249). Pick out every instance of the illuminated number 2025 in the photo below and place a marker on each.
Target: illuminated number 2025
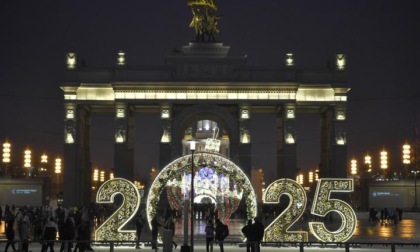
(278, 230)
(111, 229)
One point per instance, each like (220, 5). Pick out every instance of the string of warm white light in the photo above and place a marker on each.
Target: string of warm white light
(112, 228)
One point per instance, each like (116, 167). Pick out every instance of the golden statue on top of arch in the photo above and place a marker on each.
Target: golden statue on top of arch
(204, 21)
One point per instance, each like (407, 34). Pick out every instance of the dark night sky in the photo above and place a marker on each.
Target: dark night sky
(379, 37)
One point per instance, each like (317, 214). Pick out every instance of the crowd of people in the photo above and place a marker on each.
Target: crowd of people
(387, 216)
(73, 228)
(42, 224)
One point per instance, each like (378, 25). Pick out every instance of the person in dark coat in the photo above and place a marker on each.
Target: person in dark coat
(219, 234)
(83, 236)
(170, 225)
(49, 233)
(155, 229)
(10, 232)
(67, 234)
(139, 227)
(247, 231)
(209, 230)
(258, 230)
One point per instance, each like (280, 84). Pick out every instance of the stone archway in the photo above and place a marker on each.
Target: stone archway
(221, 165)
(219, 114)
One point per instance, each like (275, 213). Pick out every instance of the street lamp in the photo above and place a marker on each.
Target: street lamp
(384, 162)
(415, 189)
(57, 171)
(406, 157)
(6, 155)
(368, 163)
(192, 148)
(353, 166)
(27, 160)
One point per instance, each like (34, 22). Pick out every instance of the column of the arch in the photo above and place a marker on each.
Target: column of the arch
(124, 142)
(165, 156)
(286, 143)
(76, 165)
(244, 147)
(333, 143)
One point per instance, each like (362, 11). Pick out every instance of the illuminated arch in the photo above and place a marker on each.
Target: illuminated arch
(218, 163)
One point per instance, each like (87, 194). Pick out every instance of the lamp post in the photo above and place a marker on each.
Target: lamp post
(406, 158)
(6, 156)
(192, 148)
(27, 161)
(57, 171)
(384, 162)
(415, 189)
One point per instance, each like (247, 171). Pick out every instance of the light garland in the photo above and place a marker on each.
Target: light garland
(235, 183)
(111, 229)
(278, 230)
(322, 205)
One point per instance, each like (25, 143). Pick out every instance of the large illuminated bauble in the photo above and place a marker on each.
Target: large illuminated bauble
(216, 179)
(211, 185)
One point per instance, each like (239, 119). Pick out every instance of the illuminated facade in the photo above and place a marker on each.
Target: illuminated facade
(201, 84)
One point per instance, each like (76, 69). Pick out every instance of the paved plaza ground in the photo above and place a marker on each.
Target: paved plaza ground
(369, 237)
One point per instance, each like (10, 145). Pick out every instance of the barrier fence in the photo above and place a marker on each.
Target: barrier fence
(299, 246)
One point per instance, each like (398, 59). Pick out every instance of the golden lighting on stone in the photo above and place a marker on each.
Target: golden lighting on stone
(290, 114)
(70, 114)
(71, 60)
(340, 115)
(245, 137)
(120, 113)
(166, 137)
(340, 61)
(290, 139)
(278, 230)
(121, 58)
(289, 59)
(323, 204)
(244, 113)
(113, 228)
(165, 114)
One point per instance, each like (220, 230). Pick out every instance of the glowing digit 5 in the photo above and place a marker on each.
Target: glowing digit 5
(323, 205)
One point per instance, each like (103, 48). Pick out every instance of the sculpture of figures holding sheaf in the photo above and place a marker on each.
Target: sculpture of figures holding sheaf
(204, 21)
(198, 24)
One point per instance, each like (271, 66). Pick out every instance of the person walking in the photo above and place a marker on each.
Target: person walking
(24, 232)
(67, 234)
(49, 233)
(83, 236)
(170, 225)
(209, 235)
(139, 227)
(222, 232)
(9, 221)
(248, 233)
(258, 230)
(155, 228)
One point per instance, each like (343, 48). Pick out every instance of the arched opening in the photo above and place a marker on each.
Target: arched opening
(216, 178)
